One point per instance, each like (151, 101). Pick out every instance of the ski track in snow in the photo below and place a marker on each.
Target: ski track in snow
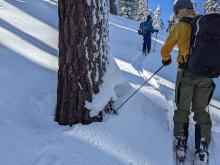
(138, 64)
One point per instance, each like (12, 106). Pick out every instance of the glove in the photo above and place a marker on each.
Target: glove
(156, 31)
(140, 32)
(168, 62)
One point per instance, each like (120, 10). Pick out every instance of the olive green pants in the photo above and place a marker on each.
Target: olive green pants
(193, 93)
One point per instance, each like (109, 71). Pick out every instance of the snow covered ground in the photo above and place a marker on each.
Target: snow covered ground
(140, 135)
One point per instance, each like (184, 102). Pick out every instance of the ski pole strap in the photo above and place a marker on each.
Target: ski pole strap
(138, 89)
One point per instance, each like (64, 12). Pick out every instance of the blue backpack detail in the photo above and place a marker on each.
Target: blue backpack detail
(146, 27)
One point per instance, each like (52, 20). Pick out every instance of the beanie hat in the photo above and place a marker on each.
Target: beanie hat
(182, 4)
(149, 17)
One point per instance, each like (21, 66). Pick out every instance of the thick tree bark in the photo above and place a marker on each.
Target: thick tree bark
(82, 58)
(113, 8)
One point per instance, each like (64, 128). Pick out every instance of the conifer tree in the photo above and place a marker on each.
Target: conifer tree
(171, 20)
(141, 10)
(157, 21)
(210, 6)
(194, 4)
(83, 54)
(133, 9)
(113, 7)
(125, 8)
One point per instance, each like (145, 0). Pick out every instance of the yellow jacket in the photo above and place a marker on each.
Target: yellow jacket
(180, 35)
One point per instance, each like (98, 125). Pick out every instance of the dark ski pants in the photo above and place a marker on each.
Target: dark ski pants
(147, 41)
(193, 93)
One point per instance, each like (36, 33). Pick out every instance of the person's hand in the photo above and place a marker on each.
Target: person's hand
(157, 31)
(168, 62)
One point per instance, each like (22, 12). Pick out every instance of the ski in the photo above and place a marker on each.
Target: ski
(180, 160)
(197, 160)
(180, 150)
(201, 156)
(104, 114)
(177, 160)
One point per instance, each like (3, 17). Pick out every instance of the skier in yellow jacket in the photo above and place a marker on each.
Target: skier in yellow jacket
(192, 93)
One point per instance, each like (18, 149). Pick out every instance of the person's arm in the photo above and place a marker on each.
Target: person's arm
(169, 44)
(150, 26)
(141, 26)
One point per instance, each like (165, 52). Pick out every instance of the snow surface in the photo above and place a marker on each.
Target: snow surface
(140, 135)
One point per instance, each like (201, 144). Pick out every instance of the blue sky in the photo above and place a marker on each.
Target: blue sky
(167, 7)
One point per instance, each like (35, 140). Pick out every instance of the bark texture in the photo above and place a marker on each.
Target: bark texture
(82, 57)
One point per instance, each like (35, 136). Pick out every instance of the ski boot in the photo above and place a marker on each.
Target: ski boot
(202, 154)
(181, 147)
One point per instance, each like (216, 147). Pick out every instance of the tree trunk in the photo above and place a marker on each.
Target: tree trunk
(83, 34)
(113, 8)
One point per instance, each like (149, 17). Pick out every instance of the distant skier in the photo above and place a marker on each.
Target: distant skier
(194, 84)
(146, 29)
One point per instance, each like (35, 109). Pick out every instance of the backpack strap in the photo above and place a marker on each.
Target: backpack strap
(193, 23)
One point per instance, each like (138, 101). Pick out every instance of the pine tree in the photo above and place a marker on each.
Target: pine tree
(210, 6)
(125, 8)
(157, 21)
(171, 22)
(133, 9)
(83, 35)
(113, 7)
(141, 10)
(194, 4)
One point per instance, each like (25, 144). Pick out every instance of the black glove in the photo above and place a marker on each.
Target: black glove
(156, 31)
(165, 63)
(140, 32)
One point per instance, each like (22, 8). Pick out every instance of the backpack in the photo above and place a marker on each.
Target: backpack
(204, 55)
(145, 27)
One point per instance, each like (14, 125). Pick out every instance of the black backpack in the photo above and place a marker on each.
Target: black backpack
(204, 56)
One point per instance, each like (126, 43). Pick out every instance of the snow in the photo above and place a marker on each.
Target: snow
(107, 89)
(140, 135)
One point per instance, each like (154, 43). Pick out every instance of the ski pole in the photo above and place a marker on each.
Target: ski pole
(138, 89)
(155, 43)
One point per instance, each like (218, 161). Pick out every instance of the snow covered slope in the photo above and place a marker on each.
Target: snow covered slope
(140, 135)
(131, 47)
(132, 62)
